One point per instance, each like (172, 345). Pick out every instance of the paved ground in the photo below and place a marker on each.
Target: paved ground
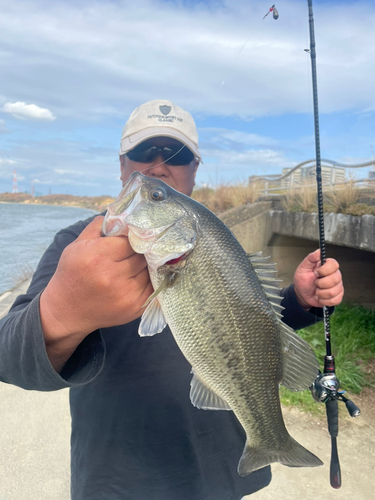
(34, 438)
(34, 443)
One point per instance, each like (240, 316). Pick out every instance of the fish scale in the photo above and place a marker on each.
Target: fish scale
(218, 312)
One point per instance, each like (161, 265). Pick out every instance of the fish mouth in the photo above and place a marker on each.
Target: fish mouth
(173, 262)
(124, 218)
(114, 223)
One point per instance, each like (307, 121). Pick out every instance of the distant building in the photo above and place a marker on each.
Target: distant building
(330, 175)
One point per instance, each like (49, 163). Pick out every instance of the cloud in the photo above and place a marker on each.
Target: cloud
(3, 127)
(23, 111)
(91, 60)
(230, 138)
(5, 161)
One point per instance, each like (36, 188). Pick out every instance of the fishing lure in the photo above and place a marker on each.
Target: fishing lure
(274, 13)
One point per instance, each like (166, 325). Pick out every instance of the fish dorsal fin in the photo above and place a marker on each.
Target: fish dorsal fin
(205, 398)
(300, 366)
(266, 272)
(153, 320)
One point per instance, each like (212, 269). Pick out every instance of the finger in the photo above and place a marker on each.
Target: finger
(332, 301)
(329, 281)
(311, 261)
(142, 299)
(330, 267)
(92, 230)
(132, 266)
(329, 293)
(117, 248)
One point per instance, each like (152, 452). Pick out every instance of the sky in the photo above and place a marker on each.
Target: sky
(71, 72)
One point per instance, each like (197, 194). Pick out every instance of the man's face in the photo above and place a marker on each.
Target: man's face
(179, 177)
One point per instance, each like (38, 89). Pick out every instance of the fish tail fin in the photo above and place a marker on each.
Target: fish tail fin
(292, 455)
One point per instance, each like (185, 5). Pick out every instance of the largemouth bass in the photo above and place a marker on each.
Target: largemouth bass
(223, 308)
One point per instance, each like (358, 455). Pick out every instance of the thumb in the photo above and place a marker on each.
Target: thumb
(93, 230)
(311, 262)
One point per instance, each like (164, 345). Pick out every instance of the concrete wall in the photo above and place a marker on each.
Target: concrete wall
(289, 237)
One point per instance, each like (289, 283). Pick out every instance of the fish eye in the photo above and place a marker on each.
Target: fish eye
(158, 194)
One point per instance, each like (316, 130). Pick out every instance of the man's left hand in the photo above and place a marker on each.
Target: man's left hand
(316, 285)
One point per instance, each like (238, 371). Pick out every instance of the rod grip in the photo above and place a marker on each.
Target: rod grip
(332, 410)
(335, 471)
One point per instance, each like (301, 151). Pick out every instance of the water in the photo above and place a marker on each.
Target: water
(26, 231)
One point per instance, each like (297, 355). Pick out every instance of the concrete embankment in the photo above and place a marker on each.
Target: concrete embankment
(289, 237)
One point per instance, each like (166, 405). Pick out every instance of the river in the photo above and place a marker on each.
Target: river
(26, 231)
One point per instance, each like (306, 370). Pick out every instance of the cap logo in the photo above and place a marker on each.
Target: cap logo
(165, 109)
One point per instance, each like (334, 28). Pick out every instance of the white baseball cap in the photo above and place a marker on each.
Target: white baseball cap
(160, 118)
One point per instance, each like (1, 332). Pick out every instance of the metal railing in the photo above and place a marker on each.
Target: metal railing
(268, 191)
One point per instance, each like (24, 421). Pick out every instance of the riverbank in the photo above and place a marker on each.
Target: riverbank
(97, 203)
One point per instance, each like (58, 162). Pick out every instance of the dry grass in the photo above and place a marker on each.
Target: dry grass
(301, 198)
(226, 196)
(342, 197)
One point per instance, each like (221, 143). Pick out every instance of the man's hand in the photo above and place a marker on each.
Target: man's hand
(99, 282)
(316, 285)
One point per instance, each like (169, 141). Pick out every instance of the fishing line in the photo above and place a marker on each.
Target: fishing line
(235, 59)
(165, 161)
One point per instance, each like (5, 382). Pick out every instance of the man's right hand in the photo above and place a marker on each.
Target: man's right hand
(99, 282)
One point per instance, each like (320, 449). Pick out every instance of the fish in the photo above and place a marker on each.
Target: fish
(223, 309)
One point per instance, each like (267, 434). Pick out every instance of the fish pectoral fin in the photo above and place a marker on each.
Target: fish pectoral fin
(167, 282)
(153, 320)
(300, 366)
(203, 397)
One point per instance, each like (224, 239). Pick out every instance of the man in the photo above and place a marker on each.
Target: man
(135, 434)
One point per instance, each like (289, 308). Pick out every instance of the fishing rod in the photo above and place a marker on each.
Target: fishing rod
(326, 387)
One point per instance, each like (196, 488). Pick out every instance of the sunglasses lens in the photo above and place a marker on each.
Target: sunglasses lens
(172, 155)
(178, 155)
(143, 155)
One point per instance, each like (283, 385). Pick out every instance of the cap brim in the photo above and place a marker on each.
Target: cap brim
(130, 142)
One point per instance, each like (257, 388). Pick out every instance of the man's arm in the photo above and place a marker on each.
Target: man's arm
(50, 338)
(99, 282)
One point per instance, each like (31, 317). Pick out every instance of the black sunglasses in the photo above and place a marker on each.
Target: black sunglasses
(174, 155)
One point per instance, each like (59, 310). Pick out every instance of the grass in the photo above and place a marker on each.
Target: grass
(226, 196)
(343, 198)
(353, 346)
(301, 198)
